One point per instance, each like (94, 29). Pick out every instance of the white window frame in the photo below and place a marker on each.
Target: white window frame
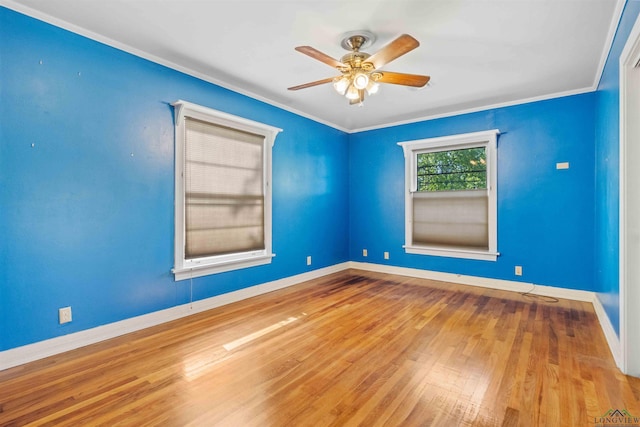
(189, 268)
(488, 140)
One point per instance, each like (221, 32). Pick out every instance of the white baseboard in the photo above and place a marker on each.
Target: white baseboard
(29, 353)
(505, 285)
(609, 332)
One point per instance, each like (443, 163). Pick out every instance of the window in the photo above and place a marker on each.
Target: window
(222, 191)
(450, 196)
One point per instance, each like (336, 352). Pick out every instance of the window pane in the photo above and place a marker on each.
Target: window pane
(452, 170)
(224, 197)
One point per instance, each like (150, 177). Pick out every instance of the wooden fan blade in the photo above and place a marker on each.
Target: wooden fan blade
(415, 80)
(311, 84)
(403, 44)
(316, 54)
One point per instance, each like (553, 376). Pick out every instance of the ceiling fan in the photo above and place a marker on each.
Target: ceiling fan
(360, 72)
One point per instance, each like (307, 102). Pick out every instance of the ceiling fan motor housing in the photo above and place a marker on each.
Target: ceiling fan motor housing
(356, 60)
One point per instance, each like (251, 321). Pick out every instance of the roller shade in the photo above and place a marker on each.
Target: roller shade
(224, 190)
(451, 219)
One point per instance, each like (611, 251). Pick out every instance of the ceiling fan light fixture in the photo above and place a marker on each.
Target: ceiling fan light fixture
(352, 93)
(372, 87)
(341, 84)
(360, 80)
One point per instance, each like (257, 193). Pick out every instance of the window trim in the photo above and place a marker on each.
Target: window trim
(183, 268)
(411, 149)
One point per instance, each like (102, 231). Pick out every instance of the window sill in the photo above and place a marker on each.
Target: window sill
(220, 267)
(452, 252)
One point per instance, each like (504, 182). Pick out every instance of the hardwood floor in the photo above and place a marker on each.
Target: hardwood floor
(353, 348)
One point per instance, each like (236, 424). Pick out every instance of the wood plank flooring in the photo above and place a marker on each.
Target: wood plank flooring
(353, 348)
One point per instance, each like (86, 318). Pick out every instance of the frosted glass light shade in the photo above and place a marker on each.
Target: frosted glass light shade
(341, 85)
(360, 81)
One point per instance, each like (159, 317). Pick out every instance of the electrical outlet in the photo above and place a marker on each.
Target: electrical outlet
(518, 271)
(64, 315)
(309, 260)
(386, 255)
(365, 253)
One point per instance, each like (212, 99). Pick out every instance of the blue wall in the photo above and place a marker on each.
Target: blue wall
(545, 216)
(86, 171)
(607, 171)
(87, 211)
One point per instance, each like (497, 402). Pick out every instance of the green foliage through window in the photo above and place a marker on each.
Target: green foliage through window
(464, 169)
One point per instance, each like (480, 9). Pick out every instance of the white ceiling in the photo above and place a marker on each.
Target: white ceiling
(479, 53)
